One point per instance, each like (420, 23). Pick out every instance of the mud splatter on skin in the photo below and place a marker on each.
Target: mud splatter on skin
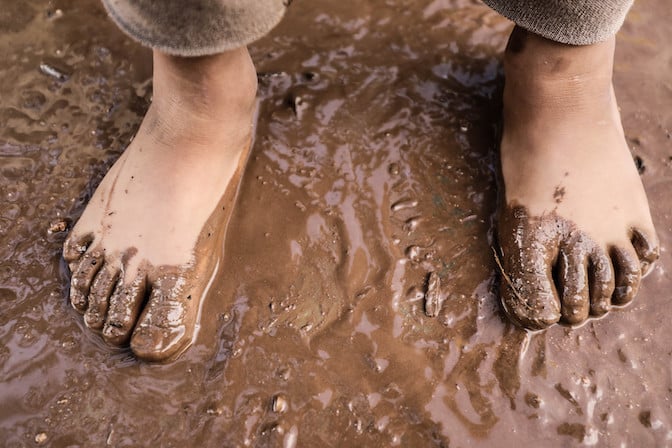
(552, 271)
(559, 194)
(316, 328)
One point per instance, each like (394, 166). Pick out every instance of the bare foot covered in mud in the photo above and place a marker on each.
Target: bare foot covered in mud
(145, 249)
(575, 231)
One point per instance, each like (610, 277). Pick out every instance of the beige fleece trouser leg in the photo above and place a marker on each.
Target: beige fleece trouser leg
(200, 27)
(196, 27)
(575, 22)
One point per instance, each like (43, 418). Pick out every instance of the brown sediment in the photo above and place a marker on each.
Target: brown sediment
(315, 327)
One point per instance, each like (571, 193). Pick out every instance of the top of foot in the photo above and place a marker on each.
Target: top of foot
(143, 253)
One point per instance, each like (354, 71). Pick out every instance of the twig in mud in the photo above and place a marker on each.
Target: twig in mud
(508, 280)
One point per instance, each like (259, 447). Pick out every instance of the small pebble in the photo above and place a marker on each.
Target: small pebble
(280, 404)
(433, 299)
(60, 225)
(40, 438)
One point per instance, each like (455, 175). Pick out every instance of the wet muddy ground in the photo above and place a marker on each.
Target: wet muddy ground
(372, 175)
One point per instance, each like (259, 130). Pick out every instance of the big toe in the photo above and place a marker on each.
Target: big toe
(535, 312)
(166, 326)
(528, 295)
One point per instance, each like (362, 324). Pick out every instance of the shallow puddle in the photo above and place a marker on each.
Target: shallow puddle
(357, 302)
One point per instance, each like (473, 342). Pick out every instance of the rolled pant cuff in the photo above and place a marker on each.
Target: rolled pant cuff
(195, 27)
(574, 22)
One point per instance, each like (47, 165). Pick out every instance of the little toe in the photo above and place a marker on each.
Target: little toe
(166, 325)
(572, 284)
(601, 280)
(124, 308)
(647, 249)
(75, 246)
(99, 296)
(627, 275)
(80, 283)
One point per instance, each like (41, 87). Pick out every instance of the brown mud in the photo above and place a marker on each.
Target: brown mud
(356, 304)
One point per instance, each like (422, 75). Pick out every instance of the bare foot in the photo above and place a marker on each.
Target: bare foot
(144, 251)
(575, 231)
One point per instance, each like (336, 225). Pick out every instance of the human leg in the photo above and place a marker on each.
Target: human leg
(144, 250)
(575, 231)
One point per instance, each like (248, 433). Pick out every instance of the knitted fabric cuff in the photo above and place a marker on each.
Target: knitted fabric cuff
(195, 27)
(574, 22)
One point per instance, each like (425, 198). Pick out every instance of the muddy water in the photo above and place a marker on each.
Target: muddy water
(357, 301)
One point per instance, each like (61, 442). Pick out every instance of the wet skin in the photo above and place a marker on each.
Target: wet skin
(575, 231)
(145, 249)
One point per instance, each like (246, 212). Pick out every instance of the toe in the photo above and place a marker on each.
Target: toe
(601, 280)
(528, 294)
(572, 284)
(99, 296)
(167, 322)
(627, 275)
(647, 249)
(124, 307)
(83, 275)
(529, 249)
(75, 246)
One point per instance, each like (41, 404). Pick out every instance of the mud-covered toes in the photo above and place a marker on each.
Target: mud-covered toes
(572, 284)
(167, 323)
(99, 296)
(83, 274)
(627, 273)
(647, 249)
(601, 281)
(124, 307)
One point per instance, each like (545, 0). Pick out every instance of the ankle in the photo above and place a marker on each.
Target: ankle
(207, 87)
(202, 101)
(541, 73)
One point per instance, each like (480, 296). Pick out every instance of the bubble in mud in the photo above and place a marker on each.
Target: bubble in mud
(309, 76)
(411, 224)
(393, 169)
(413, 253)
(283, 373)
(414, 294)
(55, 14)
